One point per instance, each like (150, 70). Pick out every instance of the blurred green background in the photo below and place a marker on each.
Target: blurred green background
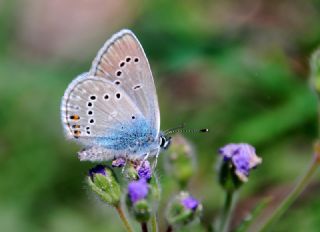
(239, 68)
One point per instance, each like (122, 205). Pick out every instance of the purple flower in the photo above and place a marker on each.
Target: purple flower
(228, 151)
(119, 162)
(144, 170)
(190, 203)
(138, 190)
(183, 209)
(99, 169)
(243, 157)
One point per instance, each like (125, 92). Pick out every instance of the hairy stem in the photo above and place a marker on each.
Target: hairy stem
(144, 227)
(298, 189)
(154, 224)
(169, 228)
(227, 211)
(124, 219)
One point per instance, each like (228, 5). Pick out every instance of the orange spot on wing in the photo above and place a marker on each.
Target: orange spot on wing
(75, 117)
(76, 133)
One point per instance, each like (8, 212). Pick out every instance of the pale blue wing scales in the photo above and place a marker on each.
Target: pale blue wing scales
(95, 107)
(123, 61)
(96, 153)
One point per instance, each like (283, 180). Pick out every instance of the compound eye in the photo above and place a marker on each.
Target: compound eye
(162, 141)
(166, 144)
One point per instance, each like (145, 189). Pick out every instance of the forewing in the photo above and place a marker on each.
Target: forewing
(123, 61)
(94, 107)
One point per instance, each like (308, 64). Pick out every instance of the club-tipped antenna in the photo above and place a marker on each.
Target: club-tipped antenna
(181, 129)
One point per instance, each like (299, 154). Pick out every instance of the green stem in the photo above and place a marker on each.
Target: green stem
(124, 219)
(169, 228)
(154, 225)
(301, 185)
(251, 217)
(144, 227)
(227, 211)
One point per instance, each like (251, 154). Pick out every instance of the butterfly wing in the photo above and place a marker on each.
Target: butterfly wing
(97, 113)
(123, 61)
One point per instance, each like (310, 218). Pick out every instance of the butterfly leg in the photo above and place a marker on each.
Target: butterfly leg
(154, 165)
(144, 160)
(125, 164)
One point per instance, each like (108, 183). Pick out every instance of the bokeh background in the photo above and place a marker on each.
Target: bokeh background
(239, 68)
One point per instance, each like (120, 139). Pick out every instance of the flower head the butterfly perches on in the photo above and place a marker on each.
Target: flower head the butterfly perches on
(113, 108)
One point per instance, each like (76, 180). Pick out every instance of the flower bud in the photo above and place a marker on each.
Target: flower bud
(315, 71)
(103, 182)
(236, 162)
(131, 172)
(183, 209)
(144, 170)
(180, 160)
(155, 189)
(138, 190)
(139, 169)
(138, 200)
(118, 162)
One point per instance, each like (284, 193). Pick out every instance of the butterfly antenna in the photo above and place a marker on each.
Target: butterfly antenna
(172, 130)
(182, 130)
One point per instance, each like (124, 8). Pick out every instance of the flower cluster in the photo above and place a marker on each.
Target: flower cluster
(119, 162)
(183, 209)
(142, 191)
(138, 200)
(138, 190)
(181, 161)
(144, 170)
(242, 158)
(190, 203)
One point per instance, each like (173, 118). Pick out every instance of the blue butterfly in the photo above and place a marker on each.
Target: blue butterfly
(113, 109)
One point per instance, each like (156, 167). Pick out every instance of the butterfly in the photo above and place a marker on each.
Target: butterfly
(112, 110)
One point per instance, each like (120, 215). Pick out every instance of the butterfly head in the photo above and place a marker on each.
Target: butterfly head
(165, 138)
(165, 141)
